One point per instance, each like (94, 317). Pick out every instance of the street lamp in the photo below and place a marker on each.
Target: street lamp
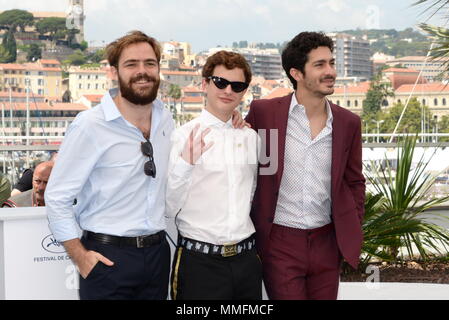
(378, 127)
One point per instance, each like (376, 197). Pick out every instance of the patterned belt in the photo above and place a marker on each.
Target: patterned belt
(226, 250)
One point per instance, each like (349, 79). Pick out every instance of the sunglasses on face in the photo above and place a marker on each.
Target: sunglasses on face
(222, 83)
(149, 168)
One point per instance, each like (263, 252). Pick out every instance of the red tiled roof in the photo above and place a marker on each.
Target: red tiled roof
(400, 70)
(93, 97)
(11, 66)
(191, 89)
(38, 67)
(278, 92)
(361, 87)
(96, 70)
(427, 87)
(398, 80)
(48, 14)
(4, 94)
(179, 73)
(186, 99)
(49, 61)
(28, 66)
(192, 100)
(55, 107)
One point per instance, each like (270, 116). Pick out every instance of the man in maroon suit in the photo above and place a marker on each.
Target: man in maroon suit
(309, 202)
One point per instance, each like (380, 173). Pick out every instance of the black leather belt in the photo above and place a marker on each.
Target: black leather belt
(137, 242)
(226, 250)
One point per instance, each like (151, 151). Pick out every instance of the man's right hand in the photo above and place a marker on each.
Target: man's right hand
(87, 263)
(195, 145)
(84, 259)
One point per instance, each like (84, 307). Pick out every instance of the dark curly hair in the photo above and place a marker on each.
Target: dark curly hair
(296, 53)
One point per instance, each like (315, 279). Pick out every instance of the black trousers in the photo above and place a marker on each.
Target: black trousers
(137, 273)
(199, 276)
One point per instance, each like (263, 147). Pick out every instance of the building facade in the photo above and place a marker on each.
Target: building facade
(433, 95)
(43, 77)
(352, 56)
(266, 63)
(431, 70)
(88, 81)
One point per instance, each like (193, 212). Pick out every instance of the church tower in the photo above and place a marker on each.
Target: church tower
(76, 12)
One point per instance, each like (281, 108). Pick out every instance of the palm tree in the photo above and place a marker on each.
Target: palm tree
(440, 46)
(396, 215)
(174, 92)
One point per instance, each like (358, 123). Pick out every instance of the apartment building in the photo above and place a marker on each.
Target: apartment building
(43, 77)
(12, 77)
(175, 54)
(88, 81)
(430, 69)
(181, 78)
(266, 63)
(45, 118)
(352, 56)
(434, 95)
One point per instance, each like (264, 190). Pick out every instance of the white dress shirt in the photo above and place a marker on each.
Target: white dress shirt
(100, 163)
(211, 200)
(305, 192)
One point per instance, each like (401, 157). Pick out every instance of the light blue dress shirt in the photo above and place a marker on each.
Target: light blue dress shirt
(100, 163)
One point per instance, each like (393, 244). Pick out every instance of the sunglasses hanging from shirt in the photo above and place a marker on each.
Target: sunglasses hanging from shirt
(149, 168)
(222, 83)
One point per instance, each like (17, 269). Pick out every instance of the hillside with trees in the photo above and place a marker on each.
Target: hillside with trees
(408, 42)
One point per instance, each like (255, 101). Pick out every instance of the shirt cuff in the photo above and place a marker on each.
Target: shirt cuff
(64, 230)
(182, 169)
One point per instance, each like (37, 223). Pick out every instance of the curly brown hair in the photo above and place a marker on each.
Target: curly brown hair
(115, 49)
(228, 59)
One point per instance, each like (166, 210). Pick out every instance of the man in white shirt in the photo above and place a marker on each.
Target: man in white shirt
(211, 181)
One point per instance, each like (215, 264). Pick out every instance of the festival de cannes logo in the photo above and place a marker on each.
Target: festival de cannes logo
(50, 244)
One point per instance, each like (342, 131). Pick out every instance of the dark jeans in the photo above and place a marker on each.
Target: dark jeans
(137, 273)
(199, 276)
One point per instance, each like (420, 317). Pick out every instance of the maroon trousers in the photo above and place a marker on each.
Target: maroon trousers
(302, 264)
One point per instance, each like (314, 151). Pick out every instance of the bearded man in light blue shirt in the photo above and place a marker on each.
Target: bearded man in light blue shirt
(113, 160)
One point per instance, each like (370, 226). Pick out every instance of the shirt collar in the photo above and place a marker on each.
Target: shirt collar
(110, 110)
(210, 120)
(295, 103)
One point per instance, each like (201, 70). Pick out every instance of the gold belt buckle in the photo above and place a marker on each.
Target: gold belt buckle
(229, 250)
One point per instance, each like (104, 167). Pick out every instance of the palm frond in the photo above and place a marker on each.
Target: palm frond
(435, 7)
(396, 220)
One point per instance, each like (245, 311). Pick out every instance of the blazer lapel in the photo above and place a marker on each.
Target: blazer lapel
(337, 146)
(281, 121)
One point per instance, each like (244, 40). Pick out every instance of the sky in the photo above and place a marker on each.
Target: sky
(208, 23)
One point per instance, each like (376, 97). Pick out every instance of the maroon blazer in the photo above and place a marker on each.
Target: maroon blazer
(347, 181)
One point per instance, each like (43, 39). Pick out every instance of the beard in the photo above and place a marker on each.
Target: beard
(142, 96)
(315, 88)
